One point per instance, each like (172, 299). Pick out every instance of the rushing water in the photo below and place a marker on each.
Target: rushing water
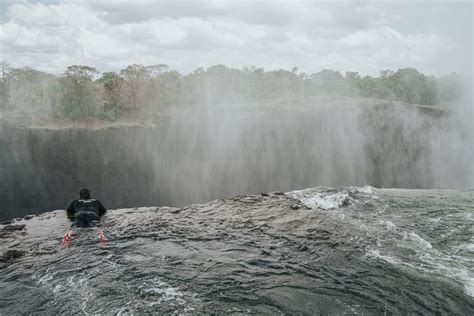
(315, 251)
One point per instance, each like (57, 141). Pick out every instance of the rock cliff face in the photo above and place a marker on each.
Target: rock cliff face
(43, 168)
(199, 154)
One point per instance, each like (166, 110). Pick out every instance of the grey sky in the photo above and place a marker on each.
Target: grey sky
(364, 36)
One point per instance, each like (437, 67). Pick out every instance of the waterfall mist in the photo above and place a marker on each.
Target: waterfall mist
(195, 154)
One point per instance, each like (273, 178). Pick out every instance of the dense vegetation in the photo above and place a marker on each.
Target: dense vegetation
(81, 91)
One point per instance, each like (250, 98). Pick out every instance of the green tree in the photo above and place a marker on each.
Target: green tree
(169, 88)
(327, 82)
(80, 95)
(4, 97)
(111, 88)
(410, 86)
(135, 77)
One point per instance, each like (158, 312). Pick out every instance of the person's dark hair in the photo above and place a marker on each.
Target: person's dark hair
(85, 194)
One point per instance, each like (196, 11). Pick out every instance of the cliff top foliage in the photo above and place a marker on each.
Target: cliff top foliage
(83, 92)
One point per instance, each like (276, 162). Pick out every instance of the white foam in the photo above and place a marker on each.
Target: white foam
(469, 285)
(388, 224)
(432, 260)
(327, 199)
(365, 189)
(168, 292)
(323, 200)
(375, 253)
(467, 247)
(160, 292)
(418, 242)
(435, 220)
(468, 216)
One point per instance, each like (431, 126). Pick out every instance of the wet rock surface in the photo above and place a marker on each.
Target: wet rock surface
(10, 255)
(9, 229)
(249, 254)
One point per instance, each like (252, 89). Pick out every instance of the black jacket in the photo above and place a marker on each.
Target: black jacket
(85, 205)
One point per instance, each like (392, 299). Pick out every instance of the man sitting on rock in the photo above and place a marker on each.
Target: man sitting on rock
(85, 212)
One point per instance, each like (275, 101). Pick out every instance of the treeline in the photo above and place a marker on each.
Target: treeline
(81, 91)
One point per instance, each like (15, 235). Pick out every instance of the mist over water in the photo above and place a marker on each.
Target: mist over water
(327, 144)
(317, 159)
(196, 154)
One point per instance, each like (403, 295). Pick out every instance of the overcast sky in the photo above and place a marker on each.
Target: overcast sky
(434, 37)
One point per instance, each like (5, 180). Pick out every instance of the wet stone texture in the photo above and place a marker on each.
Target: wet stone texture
(318, 251)
(7, 230)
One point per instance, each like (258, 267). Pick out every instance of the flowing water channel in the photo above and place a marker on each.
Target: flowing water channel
(355, 250)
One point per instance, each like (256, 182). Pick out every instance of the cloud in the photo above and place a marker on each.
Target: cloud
(119, 12)
(360, 36)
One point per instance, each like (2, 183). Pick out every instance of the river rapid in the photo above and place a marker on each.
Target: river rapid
(355, 250)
